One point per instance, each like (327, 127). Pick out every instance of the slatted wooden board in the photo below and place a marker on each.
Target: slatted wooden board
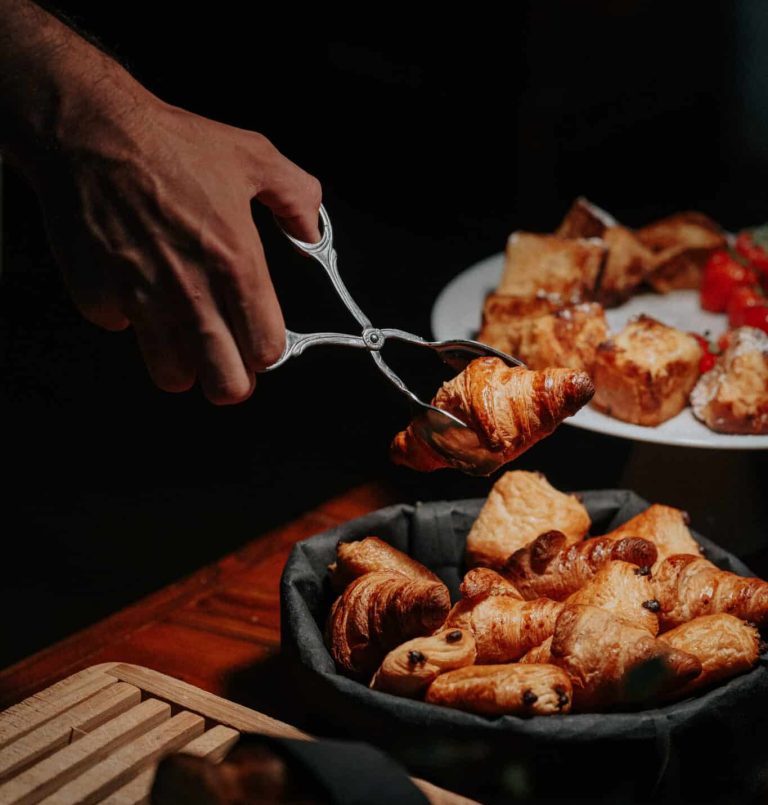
(98, 735)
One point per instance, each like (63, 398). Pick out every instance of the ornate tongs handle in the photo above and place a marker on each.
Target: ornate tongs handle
(325, 254)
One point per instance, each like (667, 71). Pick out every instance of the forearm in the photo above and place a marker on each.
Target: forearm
(54, 85)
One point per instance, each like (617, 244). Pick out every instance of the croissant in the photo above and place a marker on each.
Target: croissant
(481, 581)
(611, 663)
(505, 627)
(520, 506)
(625, 591)
(506, 410)
(689, 586)
(498, 690)
(369, 555)
(410, 669)
(550, 567)
(539, 654)
(725, 645)
(377, 612)
(664, 526)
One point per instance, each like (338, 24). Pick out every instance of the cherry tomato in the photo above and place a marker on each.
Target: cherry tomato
(707, 362)
(722, 275)
(740, 301)
(751, 251)
(757, 316)
(703, 343)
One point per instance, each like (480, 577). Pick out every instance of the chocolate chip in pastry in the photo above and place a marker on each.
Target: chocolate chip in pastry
(505, 627)
(410, 669)
(620, 589)
(550, 567)
(379, 611)
(498, 690)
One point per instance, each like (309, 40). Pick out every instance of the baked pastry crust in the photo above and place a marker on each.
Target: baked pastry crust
(628, 260)
(725, 646)
(733, 396)
(611, 663)
(682, 244)
(550, 264)
(550, 567)
(504, 627)
(505, 317)
(410, 669)
(645, 373)
(568, 337)
(688, 587)
(369, 555)
(627, 264)
(498, 690)
(482, 581)
(539, 654)
(624, 590)
(665, 526)
(506, 410)
(520, 506)
(377, 612)
(585, 220)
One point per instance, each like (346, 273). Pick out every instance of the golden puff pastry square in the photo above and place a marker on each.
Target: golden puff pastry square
(682, 243)
(550, 264)
(645, 373)
(521, 506)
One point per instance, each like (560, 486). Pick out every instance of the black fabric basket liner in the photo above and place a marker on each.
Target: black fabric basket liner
(710, 746)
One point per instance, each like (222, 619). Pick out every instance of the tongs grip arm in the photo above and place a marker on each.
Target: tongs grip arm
(296, 343)
(325, 254)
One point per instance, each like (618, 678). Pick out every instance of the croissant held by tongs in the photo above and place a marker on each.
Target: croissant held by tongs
(507, 410)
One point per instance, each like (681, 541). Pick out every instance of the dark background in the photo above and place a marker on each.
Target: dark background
(433, 138)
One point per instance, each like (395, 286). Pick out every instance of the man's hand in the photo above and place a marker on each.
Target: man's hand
(150, 219)
(148, 207)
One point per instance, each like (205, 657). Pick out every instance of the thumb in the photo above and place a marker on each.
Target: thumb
(293, 196)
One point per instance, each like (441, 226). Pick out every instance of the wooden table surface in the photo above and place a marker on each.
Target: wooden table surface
(219, 629)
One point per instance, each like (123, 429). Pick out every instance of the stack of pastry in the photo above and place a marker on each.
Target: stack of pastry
(549, 620)
(548, 308)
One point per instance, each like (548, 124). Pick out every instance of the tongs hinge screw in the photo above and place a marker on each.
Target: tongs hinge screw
(373, 337)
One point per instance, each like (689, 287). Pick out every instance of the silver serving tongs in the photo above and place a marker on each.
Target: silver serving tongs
(456, 353)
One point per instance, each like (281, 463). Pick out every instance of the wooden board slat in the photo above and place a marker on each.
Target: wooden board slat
(114, 762)
(67, 726)
(49, 774)
(214, 744)
(114, 771)
(213, 707)
(136, 792)
(36, 710)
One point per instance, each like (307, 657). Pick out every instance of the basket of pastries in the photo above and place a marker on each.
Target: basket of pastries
(536, 644)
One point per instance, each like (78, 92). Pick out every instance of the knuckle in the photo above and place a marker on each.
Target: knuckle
(231, 273)
(314, 191)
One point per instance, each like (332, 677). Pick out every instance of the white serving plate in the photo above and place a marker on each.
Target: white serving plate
(458, 309)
